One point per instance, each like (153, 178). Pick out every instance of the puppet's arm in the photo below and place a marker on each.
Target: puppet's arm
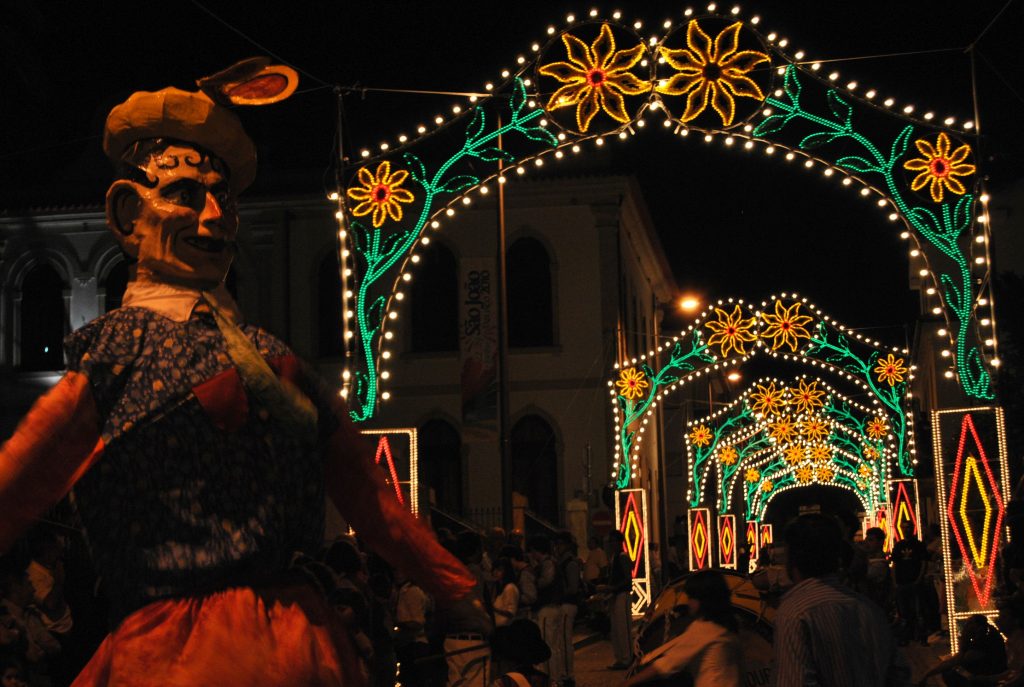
(51, 448)
(358, 490)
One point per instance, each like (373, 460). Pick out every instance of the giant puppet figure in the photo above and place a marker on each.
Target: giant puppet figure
(198, 446)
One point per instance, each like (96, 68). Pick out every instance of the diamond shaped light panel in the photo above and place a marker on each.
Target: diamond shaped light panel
(727, 541)
(975, 510)
(700, 538)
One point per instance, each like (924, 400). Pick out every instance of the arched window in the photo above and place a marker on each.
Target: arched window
(115, 285)
(530, 311)
(440, 463)
(435, 302)
(330, 327)
(44, 320)
(535, 466)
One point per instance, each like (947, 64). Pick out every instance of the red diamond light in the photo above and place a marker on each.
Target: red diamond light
(384, 451)
(973, 485)
(633, 532)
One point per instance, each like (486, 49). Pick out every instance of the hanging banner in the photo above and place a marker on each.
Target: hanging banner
(478, 348)
(698, 520)
(727, 541)
(973, 484)
(631, 516)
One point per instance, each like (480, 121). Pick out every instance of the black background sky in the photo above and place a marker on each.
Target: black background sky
(732, 223)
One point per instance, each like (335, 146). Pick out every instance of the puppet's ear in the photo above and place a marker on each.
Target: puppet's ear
(123, 206)
(250, 82)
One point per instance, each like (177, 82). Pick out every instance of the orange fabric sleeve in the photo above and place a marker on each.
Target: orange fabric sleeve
(50, 450)
(360, 493)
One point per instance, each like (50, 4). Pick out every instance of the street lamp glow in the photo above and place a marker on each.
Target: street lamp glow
(689, 303)
(734, 376)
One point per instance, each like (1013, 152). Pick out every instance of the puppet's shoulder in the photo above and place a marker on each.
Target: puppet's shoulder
(116, 336)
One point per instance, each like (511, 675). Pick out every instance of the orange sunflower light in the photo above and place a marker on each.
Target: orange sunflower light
(865, 470)
(890, 370)
(768, 400)
(380, 194)
(767, 486)
(731, 331)
(711, 72)
(595, 77)
(782, 431)
(786, 327)
(807, 397)
(728, 456)
(877, 428)
(701, 436)
(871, 453)
(795, 454)
(631, 383)
(815, 430)
(804, 475)
(752, 475)
(820, 453)
(938, 168)
(824, 474)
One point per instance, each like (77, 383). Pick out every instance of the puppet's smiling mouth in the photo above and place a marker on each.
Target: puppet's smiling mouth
(207, 245)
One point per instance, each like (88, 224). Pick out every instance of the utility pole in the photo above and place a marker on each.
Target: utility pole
(504, 445)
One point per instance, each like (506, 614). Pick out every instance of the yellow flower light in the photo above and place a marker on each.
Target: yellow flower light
(782, 431)
(712, 72)
(701, 436)
(595, 77)
(877, 428)
(820, 453)
(380, 194)
(728, 456)
(890, 370)
(786, 327)
(767, 486)
(804, 475)
(752, 475)
(807, 397)
(865, 470)
(731, 331)
(871, 453)
(938, 168)
(768, 400)
(795, 454)
(815, 429)
(631, 383)
(825, 474)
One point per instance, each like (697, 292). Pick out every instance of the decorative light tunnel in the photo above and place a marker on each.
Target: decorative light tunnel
(778, 435)
(715, 73)
(784, 326)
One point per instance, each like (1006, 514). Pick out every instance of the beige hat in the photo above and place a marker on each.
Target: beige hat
(187, 116)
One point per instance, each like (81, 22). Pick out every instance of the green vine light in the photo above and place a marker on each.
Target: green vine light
(732, 332)
(595, 80)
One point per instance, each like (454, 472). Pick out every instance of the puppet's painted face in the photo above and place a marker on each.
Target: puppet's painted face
(185, 227)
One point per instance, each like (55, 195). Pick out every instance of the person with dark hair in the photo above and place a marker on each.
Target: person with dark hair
(571, 580)
(466, 623)
(708, 650)
(620, 586)
(548, 609)
(909, 568)
(12, 672)
(520, 647)
(877, 581)
(826, 634)
(506, 602)
(980, 660)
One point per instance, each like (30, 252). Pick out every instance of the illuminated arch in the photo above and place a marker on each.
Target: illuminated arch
(599, 78)
(731, 332)
(788, 433)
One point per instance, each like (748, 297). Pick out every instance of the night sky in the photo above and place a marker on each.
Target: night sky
(732, 223)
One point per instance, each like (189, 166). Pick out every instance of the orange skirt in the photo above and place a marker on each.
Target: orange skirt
(239, 637)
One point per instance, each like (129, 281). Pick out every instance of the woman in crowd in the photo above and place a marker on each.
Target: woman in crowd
(708, 651)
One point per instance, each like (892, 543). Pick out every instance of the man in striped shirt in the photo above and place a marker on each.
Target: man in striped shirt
(825, 634)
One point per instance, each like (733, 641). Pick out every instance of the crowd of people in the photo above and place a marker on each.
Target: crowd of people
(517, 623)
